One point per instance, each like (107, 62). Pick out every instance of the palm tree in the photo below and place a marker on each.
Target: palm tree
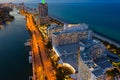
(112, 72)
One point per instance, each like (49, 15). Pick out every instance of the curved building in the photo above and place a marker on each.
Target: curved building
(92, 63)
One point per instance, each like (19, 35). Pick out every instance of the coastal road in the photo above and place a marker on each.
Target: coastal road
(42, 66)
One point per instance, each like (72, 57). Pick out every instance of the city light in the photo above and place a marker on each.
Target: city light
(43, 1)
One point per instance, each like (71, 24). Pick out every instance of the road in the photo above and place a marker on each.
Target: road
(42, 66)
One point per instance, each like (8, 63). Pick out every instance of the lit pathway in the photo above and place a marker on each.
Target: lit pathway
(42, 66)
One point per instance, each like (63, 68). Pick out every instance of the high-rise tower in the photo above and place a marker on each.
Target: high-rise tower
(43, 13)
(43, 9)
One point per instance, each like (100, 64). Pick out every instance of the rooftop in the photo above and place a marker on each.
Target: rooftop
(97, 66)
(69, 31)
(103, 63)
(81, 26)
(53, 26)
(88, 43)
(98, 72)
(73, 28)
(68, 54)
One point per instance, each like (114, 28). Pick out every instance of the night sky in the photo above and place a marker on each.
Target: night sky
(58, 1)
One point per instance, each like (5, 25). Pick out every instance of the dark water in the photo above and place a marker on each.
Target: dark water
(103, 18)
(13, 55)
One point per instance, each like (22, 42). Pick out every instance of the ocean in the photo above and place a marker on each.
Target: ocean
(102, 18)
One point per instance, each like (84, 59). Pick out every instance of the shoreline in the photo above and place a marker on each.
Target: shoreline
(59, 19)
(106, 39)
(95, 34)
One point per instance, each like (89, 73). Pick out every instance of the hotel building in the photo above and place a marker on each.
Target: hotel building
(43, 17)
(92, 60)
(71, 34)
